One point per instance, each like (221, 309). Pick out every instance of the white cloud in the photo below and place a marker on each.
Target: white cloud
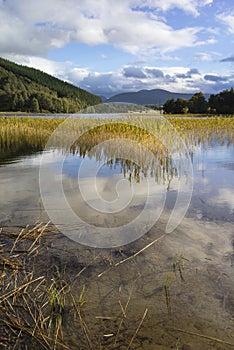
(20, 35)
(33, 27)
(228, 19)
(175, 79)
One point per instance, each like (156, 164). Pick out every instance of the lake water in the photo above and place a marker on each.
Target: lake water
(198, 254)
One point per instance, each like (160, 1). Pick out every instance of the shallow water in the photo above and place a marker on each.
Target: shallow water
(196, 259)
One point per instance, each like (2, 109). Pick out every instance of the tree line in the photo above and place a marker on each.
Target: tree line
(221, 103)
(30, 90)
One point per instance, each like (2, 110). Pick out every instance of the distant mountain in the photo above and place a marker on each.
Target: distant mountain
(149, 97)
(30, 90)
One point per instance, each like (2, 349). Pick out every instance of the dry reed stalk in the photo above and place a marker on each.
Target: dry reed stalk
(83, 323)
(124, 311)
(134, 255)
(18, 289)
(137, 330)
(201, 336)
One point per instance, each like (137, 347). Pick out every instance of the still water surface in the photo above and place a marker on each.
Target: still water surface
(201, 249)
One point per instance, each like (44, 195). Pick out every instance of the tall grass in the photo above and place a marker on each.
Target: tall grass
(204, 130)
(19, 136)
(34, 132)
(23, 135)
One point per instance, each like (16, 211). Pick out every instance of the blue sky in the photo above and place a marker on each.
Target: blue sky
(111, 46)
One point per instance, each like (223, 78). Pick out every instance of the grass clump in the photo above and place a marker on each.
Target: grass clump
(31, 305)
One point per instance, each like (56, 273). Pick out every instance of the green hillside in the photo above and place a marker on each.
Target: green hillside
(30, 90)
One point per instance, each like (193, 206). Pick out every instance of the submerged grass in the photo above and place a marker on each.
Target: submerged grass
(41, 304)
(30, 303)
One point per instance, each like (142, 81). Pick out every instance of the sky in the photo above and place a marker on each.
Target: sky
(113, 46)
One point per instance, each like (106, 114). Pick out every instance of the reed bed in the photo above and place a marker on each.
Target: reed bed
(33, 133)
(155, 138)
(204, 130)
(24, 135)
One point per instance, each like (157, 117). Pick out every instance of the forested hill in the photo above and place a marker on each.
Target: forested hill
(30, 90)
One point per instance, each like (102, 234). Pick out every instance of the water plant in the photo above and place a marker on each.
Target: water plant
(56, 297)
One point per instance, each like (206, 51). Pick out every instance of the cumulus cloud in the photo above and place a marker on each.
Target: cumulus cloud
(156, 73)
(30, 29)
(188, 74)
(134, 72)
(193, 71)
(33, 27)
(106, 84)
(19, 37)
(175, 79)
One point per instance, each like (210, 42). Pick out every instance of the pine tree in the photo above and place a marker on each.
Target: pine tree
(34, 107)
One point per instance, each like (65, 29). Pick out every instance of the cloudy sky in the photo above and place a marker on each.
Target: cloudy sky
(112, 46)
